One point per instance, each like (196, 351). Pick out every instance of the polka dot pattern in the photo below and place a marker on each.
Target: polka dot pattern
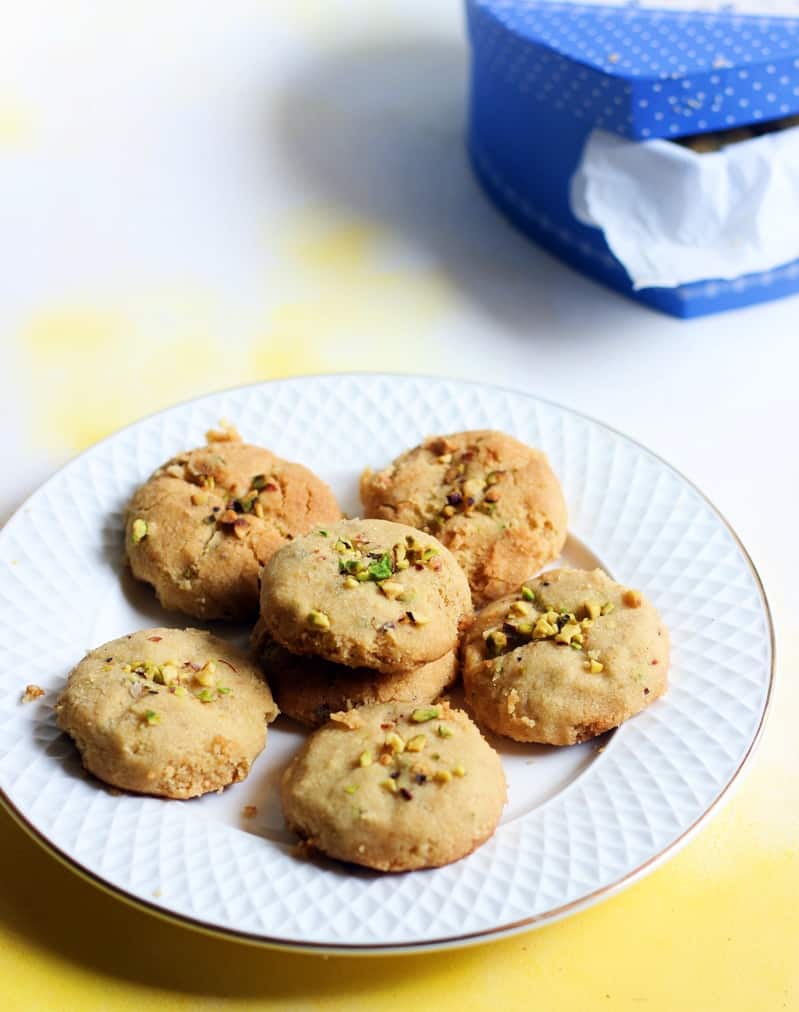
(589, 252)
(643, 73)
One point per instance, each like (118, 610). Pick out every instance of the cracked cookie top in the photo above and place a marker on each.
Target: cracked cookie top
(492, 500)
(570, 655)
(206, 522)
(365, 593)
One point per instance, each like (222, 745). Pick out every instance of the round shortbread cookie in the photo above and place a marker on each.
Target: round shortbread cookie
(206, 522)
(310, 688)
(571, 655)
(365, 593)
(493, 501)
(395, 788)
(170, 712)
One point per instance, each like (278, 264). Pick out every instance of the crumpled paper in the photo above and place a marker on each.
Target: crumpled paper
(672, 216)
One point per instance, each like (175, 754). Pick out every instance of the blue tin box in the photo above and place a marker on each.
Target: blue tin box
(546, 74)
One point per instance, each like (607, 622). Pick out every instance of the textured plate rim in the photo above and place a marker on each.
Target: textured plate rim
(452, 941)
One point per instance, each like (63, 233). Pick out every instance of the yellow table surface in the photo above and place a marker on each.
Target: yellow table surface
(105, 321)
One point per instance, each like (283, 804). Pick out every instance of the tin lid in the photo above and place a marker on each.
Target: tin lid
(644, 72)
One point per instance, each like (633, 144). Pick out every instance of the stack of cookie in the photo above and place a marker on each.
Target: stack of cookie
(360, 612)
(359, 635)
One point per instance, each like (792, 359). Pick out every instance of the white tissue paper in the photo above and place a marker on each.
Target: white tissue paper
(672, 216)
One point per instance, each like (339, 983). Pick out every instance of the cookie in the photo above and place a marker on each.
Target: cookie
(309, 688)
(493, 501)
(206, 522)
(571, 655)
(170, 712)
(395, 788)
(365, 593)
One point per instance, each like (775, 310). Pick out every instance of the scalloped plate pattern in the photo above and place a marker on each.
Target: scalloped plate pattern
(596, 826)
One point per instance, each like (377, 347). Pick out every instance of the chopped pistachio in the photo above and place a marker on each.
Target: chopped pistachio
(495, 640)
(391, 589)
(448, 511)
(592, 610)
(594, 666)
(527, 594)
(402, 564)
(246, 501)
(365, 759)
(569, 631)
(205, 676)
(417, 618)
(206, 696)
(524, 628)
(152, 718)
(444, 732)
(350, 582)
(351, 788)
(390, 786)
(459, 771)
(258, 481)
(258, 510)
(519, 608)
(543, 629)
(424, 713)
(442, 776)
(224, 690)
(607, 608)
(380, 569)
(318, 620)
(416, 744)
(407, 596)
(395, 743)
(138, 530)
(323, 533)
(199, 498)
(181, 690)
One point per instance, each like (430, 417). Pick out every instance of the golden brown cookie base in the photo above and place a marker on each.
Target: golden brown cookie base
(492, 500)
(169, 712)
(380, 789)
(406, 611)
(584, 655)
(205, 523)
(309, 689)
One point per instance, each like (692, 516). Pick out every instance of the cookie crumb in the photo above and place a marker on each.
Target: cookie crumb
(631, 598)
(32, 692)
(249, 811)
(226, 433)
(349, 718)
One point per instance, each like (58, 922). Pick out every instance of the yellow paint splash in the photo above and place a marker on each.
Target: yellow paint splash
(15, 123)
(353, 298)
(95, 369)
(350, 304)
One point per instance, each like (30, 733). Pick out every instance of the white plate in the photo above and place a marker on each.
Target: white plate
(580, 822)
